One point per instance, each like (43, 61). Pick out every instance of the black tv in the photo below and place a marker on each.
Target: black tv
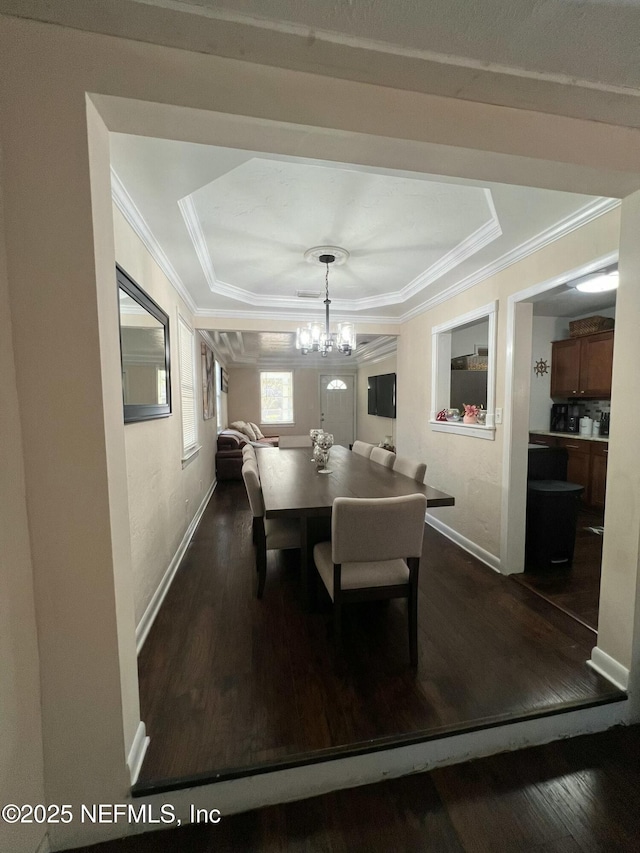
(381, 395)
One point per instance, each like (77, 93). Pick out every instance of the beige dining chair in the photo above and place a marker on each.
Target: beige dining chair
(382, 457)
(269, 534)
(410, 468)
(362, 448)
(374, 553)
(248, 452)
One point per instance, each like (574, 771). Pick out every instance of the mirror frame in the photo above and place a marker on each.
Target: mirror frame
(147, 411)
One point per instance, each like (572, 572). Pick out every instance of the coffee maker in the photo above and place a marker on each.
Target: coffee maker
(574, 414)
(559, 417)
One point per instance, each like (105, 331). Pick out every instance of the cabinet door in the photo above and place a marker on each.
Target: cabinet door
(565, 368)
(546, 440)
(578, 464)
(599, 452)
(596, 362)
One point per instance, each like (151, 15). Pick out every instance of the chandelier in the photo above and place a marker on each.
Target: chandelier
(313, 337)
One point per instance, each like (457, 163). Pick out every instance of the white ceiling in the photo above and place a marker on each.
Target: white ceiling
(231, 227)
(235, 225)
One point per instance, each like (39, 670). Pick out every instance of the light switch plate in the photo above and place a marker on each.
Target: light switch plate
(498, 416)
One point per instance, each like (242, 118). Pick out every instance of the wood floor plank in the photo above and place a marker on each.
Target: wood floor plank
(227, 681)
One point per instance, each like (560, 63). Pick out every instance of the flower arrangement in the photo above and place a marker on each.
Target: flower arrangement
(470, 413)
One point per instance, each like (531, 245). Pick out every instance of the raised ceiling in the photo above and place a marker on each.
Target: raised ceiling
(234, 227)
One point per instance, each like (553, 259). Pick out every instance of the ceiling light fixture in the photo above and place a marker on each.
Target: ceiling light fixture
(599, 282)
(312, 337)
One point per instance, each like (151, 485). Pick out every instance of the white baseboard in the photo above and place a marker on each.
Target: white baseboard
(137, 752)
(466, 544)
(609, 668)
(149, 615)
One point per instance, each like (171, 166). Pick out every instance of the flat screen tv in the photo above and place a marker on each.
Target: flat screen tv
(381, 396)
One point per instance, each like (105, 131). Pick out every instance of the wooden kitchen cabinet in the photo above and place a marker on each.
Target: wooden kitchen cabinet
(582, 367)
(596, 363)
(578, 463)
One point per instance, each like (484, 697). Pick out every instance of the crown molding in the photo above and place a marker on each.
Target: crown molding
(576, 220)
(136, 220)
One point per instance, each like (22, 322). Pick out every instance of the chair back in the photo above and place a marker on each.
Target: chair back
(254, 489)
(374, 529)
(248, 452)
(382, 457)
(415, 470)
(362, 448)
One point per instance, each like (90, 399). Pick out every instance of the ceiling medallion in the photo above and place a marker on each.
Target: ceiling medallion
(314, 338)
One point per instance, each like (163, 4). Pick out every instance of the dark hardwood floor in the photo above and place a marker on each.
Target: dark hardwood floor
(573, 796)
(575, 590)
(230, 682)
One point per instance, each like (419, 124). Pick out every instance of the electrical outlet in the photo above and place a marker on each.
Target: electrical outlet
(498, 416)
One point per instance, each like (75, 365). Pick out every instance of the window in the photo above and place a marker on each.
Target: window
(219, 395)
(336, 385)
(467, 342)
(276, 397)
(186, 340)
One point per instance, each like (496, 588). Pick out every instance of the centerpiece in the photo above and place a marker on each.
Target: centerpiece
(323, 444)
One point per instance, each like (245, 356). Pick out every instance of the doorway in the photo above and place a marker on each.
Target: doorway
(537, 317)
(337, 406)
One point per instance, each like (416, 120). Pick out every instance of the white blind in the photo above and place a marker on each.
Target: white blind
(187, 385)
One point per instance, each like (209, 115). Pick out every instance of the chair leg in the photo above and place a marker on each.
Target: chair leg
(412, 608)
(261, 566)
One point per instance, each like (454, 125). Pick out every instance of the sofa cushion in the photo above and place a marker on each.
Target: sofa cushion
(257, 430)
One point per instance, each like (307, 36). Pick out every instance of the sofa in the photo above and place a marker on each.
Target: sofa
(229, 452)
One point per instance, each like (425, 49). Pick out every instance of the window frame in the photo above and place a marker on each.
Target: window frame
(188, 372)
(293, 415)
(441, 373)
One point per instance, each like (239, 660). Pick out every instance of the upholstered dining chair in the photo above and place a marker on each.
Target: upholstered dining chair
(382, 457)
(410, 468)
(374, 553)
(269, 534)
(362, 448)
(248, 452)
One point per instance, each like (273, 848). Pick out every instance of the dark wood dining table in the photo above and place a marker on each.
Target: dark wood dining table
(293, 488)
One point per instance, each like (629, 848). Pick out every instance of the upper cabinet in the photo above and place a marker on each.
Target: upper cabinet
(581, 367)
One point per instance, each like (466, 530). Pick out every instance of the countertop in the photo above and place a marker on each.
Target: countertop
(571, 435)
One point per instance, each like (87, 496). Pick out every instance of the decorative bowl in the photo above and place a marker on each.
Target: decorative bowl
(453, 414)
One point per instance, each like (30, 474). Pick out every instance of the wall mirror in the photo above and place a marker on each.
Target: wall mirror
(144, 350)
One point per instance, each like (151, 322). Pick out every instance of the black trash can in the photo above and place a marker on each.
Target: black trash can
(552, 513)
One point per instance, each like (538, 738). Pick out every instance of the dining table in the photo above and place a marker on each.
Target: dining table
(292, 487)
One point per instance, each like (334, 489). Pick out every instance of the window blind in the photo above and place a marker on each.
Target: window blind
(187, 386)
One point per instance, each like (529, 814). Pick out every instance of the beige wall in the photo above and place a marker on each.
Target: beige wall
(163, 496)
(60, 255)
(244, 399)
(371, 428)
(21, 764)
(471, 468)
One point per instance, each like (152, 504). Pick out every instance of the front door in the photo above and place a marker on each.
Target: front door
(337, 405)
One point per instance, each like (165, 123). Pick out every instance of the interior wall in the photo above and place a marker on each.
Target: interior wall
(371, 428)
(471, 468)
(21, 762)
(244, 399)
(164, 496)
(545, 331)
